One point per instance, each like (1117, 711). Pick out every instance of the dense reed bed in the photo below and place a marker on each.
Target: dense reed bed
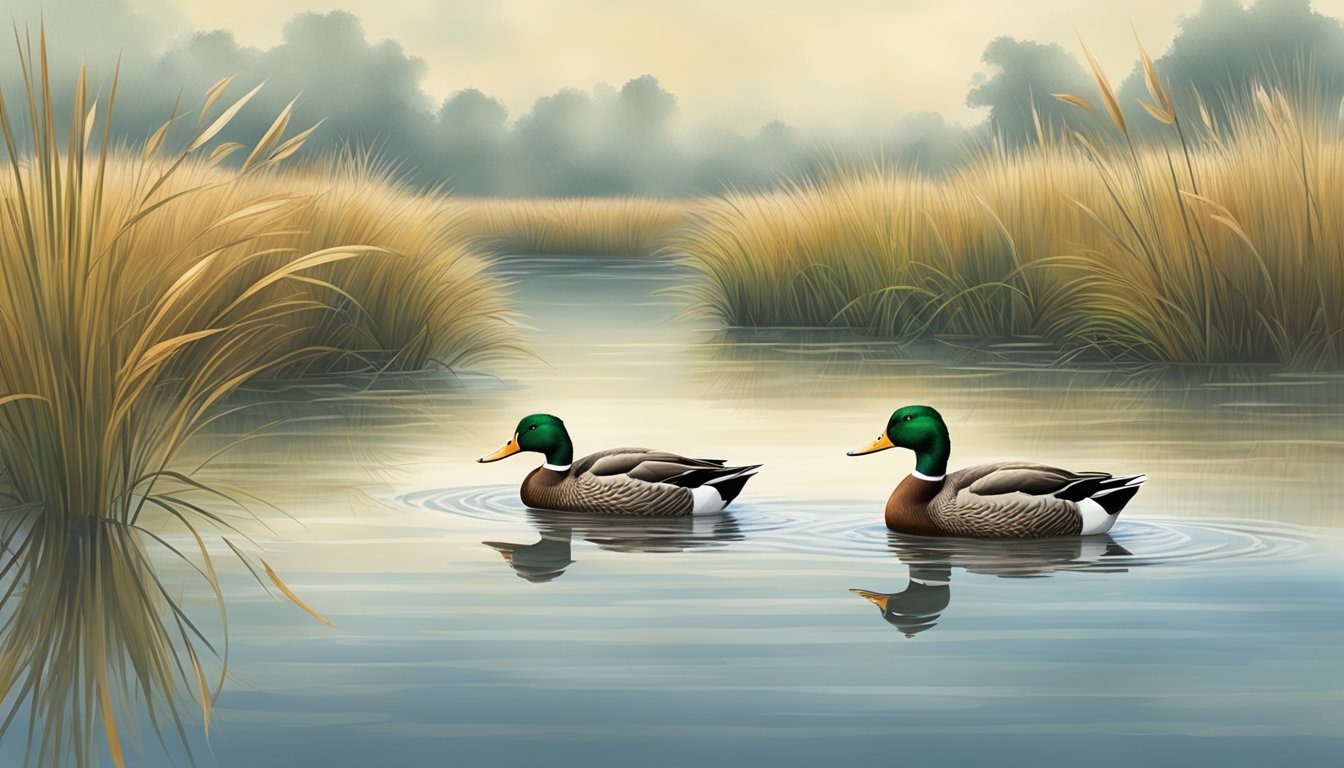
(580, 226)
(421, 295)
(139, 288)
(1215, 246)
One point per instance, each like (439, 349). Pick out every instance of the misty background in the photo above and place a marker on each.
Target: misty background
(631, 137)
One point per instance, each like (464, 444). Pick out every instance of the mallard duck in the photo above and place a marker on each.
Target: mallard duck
(622, 481)
(1014, 499)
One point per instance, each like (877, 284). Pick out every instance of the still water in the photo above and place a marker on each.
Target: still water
(1205, 629)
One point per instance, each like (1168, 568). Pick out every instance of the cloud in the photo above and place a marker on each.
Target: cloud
(631, 139)
(365, 92)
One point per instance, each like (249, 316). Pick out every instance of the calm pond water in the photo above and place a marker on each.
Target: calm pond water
(1205, 629)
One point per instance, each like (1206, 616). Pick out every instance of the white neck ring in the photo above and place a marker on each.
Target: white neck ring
(929, 478)
(556, 467)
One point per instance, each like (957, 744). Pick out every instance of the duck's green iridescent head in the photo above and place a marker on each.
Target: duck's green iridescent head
(915, 427)
(919, 428)
(539, 433)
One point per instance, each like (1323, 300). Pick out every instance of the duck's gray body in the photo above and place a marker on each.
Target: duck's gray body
(1010, 500)
(636, 481)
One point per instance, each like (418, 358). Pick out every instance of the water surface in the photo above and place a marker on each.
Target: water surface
(793, 630)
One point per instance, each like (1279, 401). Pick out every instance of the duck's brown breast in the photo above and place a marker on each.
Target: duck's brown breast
(545, 489)
(907, 508)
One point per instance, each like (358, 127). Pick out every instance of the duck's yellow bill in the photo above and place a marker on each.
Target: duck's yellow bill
(503, 453)
(882, 443)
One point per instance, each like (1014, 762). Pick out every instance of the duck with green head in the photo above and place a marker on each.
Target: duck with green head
(621, 481)
(1013, 499)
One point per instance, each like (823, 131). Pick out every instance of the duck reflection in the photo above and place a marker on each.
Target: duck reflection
(547, 558)
(917, 608)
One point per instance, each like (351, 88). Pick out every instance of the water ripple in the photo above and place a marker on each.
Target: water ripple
(854, 529)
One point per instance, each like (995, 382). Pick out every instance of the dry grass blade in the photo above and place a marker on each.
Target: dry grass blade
(1077, 101)
(271, 136)
(1162, 102)
(223, 120)
(110, 725)
(263, 206)
(289, 593)
(1107, 92)
(1159, 114)
(292, 145)
(222, 152)
(15, 398)
(90, 120)
(156, 140)
(212, 95)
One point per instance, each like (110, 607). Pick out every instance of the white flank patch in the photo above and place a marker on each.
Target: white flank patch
(705, 500)
(1095, 518)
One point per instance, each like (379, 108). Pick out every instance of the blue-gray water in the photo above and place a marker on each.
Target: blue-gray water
(1206, 629)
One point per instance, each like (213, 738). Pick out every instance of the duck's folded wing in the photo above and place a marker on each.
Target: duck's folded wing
(649, 466)
(1033, 479)
(1008, 515)
(622, 494)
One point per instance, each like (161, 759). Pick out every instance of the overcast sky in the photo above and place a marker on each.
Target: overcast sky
(737, 63)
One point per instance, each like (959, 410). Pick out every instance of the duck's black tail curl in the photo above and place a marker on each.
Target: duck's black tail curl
(730, 486)
(728, 481)
(1110, 493)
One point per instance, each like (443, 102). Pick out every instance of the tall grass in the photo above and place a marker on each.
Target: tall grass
(1215, 245)
(627, 226)
(424, 296)
(137, 292)
(863, 252)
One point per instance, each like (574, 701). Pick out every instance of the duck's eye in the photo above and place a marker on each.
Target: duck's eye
(534, 426)
(907, 418)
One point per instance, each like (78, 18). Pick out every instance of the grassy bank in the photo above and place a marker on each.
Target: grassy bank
(579, 226)
(1216, 246)
(139, 288)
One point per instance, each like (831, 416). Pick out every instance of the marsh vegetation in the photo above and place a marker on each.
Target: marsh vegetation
(141, 287)
(1214, 246)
